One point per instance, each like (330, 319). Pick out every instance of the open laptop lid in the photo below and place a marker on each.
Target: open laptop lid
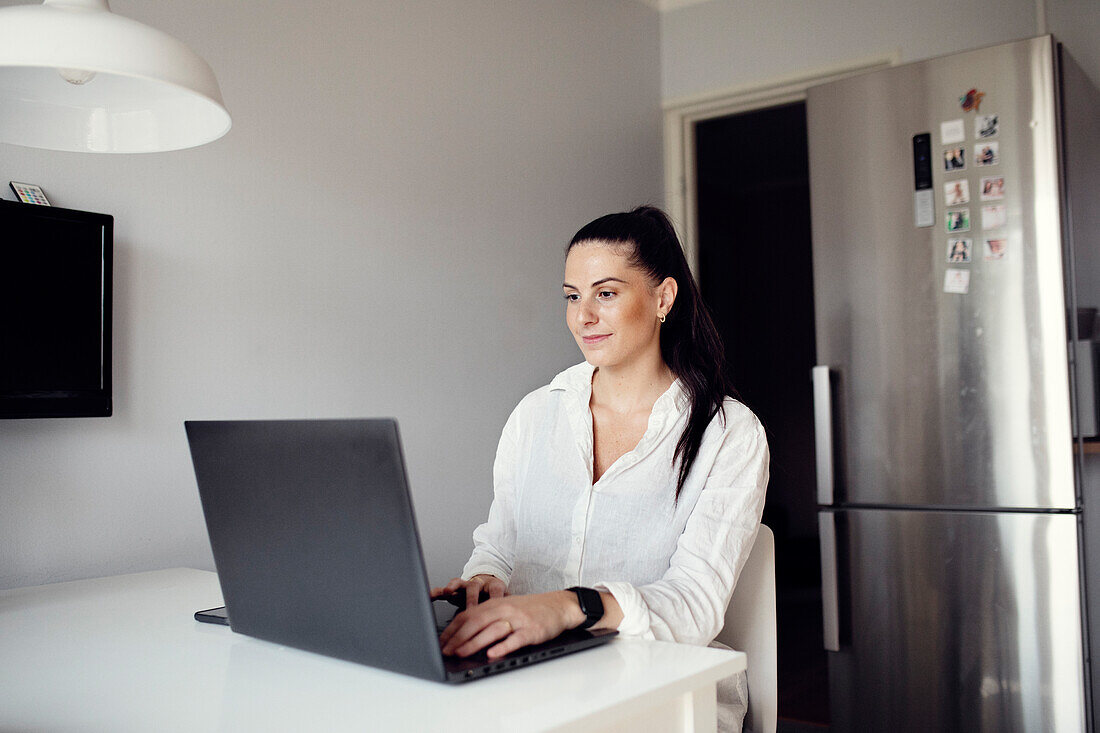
(314, 538)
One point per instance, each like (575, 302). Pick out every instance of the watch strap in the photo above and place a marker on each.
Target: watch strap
(591, 605)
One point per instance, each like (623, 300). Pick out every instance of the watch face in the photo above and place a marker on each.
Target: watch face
(591, 605)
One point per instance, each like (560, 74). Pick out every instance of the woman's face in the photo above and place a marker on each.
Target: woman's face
(612, 307)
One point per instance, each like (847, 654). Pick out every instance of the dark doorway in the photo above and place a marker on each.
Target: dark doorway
(756, 275)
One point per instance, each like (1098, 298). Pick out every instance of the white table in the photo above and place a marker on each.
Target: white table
(124, 654)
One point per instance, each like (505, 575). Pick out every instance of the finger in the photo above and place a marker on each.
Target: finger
(496, 590)
(448, 632)
(473, 590)
(512, 642)
(452, 628)
(465, 626)
(460, 630)
(493, 632)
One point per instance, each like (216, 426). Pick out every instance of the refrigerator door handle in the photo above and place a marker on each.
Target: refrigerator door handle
(823, 432)
(830, 609)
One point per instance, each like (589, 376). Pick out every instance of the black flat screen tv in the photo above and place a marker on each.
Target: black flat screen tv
(55, 312)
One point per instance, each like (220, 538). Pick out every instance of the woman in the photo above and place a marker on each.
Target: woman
(628, 491)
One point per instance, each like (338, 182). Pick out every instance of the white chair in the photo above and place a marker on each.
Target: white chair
(750, 628)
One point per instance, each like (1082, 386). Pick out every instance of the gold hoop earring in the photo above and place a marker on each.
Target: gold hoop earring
(661, 318)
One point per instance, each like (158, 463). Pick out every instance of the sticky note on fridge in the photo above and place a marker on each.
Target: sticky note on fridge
(952, 131)
(924, 208)
(956, 281)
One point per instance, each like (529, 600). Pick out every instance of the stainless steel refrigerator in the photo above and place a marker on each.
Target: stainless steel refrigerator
(954, 227)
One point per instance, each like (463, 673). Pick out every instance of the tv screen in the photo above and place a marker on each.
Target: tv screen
(55, 312)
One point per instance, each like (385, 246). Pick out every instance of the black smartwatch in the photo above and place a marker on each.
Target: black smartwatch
(591, 605)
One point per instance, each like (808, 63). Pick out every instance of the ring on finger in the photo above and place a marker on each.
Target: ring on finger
(510, 627)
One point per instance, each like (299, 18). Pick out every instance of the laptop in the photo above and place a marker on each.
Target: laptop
(316, 546)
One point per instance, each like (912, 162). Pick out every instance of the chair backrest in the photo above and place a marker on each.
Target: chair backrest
(750, 628)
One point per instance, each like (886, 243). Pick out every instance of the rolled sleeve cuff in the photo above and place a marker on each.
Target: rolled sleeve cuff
(483, 568)
(635, 611)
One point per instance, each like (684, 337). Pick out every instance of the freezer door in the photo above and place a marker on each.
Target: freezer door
(944, 399)
(956, 621)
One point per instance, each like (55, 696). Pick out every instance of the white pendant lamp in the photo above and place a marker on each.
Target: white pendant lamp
(74, 76)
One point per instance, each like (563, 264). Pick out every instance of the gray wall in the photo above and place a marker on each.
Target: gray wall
(381, 233)
(1077, 24)
(725, 44)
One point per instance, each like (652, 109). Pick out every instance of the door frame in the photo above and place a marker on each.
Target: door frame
(680, 116)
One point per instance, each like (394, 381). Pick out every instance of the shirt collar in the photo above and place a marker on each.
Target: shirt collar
(577, 380)
(677, 397)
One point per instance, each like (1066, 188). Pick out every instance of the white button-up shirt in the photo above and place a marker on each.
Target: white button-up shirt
(671, 565)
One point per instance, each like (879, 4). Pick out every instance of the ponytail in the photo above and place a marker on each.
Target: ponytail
(690, 344)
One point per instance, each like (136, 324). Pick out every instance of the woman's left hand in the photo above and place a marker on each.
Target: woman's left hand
(510, 623)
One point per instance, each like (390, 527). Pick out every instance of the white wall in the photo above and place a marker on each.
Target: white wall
(381, 233)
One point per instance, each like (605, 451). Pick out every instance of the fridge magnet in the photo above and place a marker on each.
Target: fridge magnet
(958, 250)
(994, 217)
(986, 154)
(958, 220)
(952, 131)
(924, 208)
(995, 248)
(956, 193)
(986, 126)
(972, 100)
(954, 159)
(993, 188)
(956, 281)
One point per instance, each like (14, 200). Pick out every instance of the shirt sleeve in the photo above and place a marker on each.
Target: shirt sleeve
(495, 540)
(688, 603)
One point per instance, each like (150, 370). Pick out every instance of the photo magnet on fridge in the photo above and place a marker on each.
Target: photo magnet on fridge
(957, 221)
(956, 193)
(956, 281)
(993, 188)
(994, 217)
(986, 126)
(986, 154)
(954, 159)
(959, 250)
(995, 248)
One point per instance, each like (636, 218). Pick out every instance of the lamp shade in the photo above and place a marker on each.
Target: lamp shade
(74, 76)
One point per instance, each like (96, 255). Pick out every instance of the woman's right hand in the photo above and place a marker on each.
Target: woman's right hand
(475, 586)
